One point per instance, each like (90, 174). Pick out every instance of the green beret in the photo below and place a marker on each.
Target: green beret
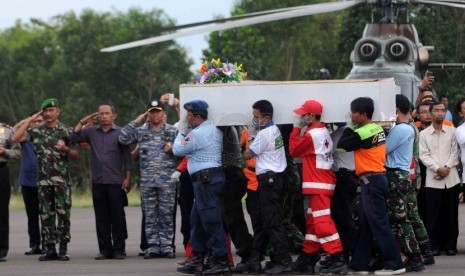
(52, 102)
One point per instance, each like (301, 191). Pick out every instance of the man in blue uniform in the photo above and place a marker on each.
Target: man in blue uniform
(203, 146)
(157, 164)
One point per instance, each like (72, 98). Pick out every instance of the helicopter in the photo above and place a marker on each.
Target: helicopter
(389, 47)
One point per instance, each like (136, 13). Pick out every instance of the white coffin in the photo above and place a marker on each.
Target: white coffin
(231, 103)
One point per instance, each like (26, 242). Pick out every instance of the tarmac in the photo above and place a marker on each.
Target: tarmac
(83, 248)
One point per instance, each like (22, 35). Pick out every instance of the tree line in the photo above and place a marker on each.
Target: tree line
(61, 58)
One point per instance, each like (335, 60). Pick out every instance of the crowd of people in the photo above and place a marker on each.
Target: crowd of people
(368, 197)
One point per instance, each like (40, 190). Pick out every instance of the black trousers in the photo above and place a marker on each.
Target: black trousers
(31, 203)
(186, 201)
(110, 220)
(5, 193)
(442, 211)
(266, 211)
(233, 213)
(341, 208)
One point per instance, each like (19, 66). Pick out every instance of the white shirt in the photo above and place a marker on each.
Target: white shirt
(460, 136)
(342, 160)
(268, 147)
(439, 150)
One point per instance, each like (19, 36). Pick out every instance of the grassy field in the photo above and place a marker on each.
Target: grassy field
(79, 199)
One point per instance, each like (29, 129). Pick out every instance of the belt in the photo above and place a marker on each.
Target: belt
(3, 164)
(212, 171)
(371, 173)
(345, 170)
(392, 169)
(268, 174)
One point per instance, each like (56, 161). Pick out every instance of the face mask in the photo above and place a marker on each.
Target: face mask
(303, 121)
(256, 124)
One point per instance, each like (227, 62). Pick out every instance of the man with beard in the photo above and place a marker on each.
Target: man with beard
(111, 174)
(439, 153)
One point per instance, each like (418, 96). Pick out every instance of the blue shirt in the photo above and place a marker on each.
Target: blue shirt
(449, 115)
(399, 147)
(202, 145)
(28, 169)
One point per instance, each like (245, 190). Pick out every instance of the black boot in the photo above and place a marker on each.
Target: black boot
(50, 254)
(35, 250)
(194, 267)
(282, 266)
(428, 256)
(337, 265)
(251, 266)
(305, 263)
(414, 263)
(63, 252)
(220, 266)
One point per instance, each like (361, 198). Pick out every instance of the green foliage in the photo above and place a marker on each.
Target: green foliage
(291, 49)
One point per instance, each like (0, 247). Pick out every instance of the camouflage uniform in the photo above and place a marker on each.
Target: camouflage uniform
(12, 150)
(54, 186)
(412, 207)
(158, 193)
(396, 202)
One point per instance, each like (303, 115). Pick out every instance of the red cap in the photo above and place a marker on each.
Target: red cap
(310, 106)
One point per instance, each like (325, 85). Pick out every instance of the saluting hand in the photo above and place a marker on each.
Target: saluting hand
(141, 118)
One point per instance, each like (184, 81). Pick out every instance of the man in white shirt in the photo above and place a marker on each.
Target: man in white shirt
(439, 153)
(268, 148)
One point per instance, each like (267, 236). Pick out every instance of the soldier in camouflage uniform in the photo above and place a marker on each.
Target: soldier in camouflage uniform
(54, 151)
(413, 214)
(399, 153)
(7, 150)
(157, 164)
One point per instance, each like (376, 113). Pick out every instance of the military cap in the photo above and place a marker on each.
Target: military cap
(196, 105)
(51, 102)
(155, 105)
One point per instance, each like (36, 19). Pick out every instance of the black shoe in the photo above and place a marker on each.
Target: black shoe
(427, 254)
(336, 265)
(102, 256)
(414, 263)
(196, 266)
(451, 252)
(220, 266)
(119, 255)
(63, 252)
(141, 254)
(34, 251)
(151, 255)
(279, 269)
(305, 263)
(50, 254)
(436, 252)
(168, 255)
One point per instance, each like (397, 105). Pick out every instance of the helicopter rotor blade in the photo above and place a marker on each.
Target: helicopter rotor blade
(269, 17)
(222, 20)
(453, 4)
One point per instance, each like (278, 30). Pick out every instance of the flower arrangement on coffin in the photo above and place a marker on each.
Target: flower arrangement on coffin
(216, 71)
